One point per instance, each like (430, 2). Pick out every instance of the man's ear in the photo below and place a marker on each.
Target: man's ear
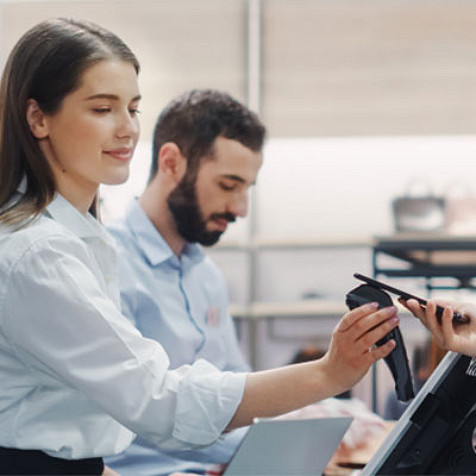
(171, 161)
(36, 119)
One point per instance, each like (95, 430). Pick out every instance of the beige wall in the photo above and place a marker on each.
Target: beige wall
(346, 67)
(329, 67)
(180, 44)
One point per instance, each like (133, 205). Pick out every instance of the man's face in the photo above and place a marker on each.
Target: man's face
(203, 209)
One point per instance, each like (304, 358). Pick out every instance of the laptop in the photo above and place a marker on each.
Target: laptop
(293, 447)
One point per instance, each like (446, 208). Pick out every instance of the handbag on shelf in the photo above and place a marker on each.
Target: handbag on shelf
(419, 212)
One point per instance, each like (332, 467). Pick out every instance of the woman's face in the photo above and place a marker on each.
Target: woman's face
(91, 138)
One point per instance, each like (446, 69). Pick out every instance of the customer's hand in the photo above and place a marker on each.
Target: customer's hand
(448, 334)
(352, 349)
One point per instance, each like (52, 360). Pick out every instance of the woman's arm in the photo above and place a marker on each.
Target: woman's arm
(77, 341)
(351, 353)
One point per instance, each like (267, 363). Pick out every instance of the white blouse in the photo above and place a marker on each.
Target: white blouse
(76, 378)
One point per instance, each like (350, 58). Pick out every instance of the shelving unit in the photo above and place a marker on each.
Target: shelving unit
(269, 315)
(429, 257)
(327, 312)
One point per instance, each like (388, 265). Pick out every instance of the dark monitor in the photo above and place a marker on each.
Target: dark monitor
(437, 432)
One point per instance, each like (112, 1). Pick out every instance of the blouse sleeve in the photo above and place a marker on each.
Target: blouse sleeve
(63, 326)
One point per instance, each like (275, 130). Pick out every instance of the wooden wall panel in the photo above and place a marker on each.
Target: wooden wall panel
(329, 67)
(181, 44)
(369, 67)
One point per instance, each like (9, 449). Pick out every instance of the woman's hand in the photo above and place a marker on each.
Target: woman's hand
(448, 334)
(353, 345)
(352, 351)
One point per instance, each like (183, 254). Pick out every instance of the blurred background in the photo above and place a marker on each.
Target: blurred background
(364, 102)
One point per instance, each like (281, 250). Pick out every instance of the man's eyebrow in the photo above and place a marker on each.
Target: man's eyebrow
(237, 178)
(113, 97)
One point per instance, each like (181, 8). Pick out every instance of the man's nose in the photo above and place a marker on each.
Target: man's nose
(238, 206)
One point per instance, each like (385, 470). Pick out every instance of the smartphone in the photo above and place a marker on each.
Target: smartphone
(461, 318)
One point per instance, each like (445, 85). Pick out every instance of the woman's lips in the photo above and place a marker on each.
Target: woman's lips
(123, 154)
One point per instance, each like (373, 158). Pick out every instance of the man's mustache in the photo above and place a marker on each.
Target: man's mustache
(223, 216)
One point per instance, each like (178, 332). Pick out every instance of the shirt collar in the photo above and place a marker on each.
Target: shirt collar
(83, 226)
(150, 240)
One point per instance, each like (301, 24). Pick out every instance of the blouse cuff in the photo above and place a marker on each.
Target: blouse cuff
(206, 403)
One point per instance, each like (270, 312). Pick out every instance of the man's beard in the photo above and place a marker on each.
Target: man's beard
(188, 217)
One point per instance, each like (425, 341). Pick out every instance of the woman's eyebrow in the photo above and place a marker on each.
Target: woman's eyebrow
(113, 97)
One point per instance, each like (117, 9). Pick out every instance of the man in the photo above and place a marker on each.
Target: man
(206, 155)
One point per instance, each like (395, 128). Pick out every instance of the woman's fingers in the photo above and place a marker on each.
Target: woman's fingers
(366, 324)
(353, 348)
(388, 320)
(379, 352)
(349, 319)
(360, 330)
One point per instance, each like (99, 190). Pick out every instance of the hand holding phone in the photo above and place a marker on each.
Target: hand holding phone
(457, 317)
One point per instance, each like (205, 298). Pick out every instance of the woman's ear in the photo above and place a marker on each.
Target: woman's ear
(171, 161)
(36, 119)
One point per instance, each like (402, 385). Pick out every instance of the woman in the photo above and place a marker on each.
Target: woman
(448, 334)
(77, 380)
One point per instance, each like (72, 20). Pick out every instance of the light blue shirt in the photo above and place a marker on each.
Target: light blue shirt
(182, 302)
(76, 378)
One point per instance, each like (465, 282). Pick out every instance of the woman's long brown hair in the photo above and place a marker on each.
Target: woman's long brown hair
(46, 64)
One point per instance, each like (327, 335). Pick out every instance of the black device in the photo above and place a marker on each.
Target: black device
(460, 318)
(397, 360)
(437, 432)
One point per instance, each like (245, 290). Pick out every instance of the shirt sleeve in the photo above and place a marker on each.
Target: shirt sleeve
(64, 326)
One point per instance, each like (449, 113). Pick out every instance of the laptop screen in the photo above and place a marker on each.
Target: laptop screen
(293, 447)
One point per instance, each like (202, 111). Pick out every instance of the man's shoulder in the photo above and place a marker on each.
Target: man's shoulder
(208, 267)
(118, 226)
(121, 233)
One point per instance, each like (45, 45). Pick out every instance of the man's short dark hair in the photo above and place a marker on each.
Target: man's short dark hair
(196, 118)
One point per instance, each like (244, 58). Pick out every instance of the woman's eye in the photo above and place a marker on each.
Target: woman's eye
(134, 111)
